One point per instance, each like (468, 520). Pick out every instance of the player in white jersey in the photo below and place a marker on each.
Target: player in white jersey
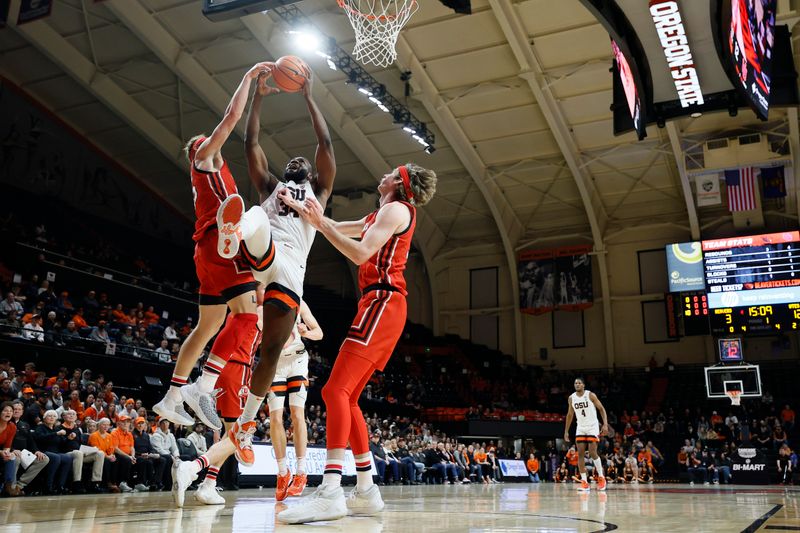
(274, 241)
(583, 406)
(291, 377)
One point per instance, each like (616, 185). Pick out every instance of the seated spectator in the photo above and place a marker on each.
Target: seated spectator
(91, 305)
(50, 440)
(724, 466)
(696, 468)
(778, 437)
(118, 315)
(70, 333)
(96, 410)
(104, 441)
(6, 392)
(150, 316)
(33, 330)
(123, 449)
(64, 304)
(11, 325)
(562, 474)
(80, 321)
(7, 458)
(55, 401)
(533, 468)
(126, 338)
(764, 435)
(170, 332)
(99, 333)
(482, 459)
(23, 440)
(628, 474)
(129, 409)
(378, 456)
(787, 418)
(163, 353)
(198, 438)
(149, 465)
(10, 304)
(164, 444)
(72, 446)
(59, 379)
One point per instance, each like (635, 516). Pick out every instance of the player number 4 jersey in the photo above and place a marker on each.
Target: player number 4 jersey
(585, 411)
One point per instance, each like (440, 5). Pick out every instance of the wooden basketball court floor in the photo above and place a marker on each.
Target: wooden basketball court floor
(440, 508)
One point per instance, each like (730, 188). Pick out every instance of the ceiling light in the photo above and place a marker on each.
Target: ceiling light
(306, 39)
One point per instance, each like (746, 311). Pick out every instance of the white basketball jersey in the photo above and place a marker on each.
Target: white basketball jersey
(295, 342)
(287, 226)
(585, 411)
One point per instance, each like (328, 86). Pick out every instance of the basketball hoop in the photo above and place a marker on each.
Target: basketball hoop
(735, 396)
(377, 23)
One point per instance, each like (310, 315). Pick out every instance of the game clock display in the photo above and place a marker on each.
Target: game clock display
(764, 319)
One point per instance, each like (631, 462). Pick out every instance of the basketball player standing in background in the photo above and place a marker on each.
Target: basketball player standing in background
(584, 405)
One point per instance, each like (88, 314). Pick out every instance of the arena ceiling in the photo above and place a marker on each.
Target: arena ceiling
(517, 94)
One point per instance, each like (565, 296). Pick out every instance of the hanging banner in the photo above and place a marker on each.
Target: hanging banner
(557, 278)
(773, 180)
(708, 192)
(30, 10)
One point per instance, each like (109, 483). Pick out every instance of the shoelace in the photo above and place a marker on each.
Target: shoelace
(246, 438)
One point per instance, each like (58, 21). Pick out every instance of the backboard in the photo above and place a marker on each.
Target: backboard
(721, 378)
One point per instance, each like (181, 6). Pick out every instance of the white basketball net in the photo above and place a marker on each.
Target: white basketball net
(735, 396)
(377, 23)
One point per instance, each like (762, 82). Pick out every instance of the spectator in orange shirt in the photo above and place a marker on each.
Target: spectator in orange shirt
(103, 441)
(74, 403)
(60, 380)
(787, 418)
(715, 419)
(150, 316)
(645, 457)
(119, 316)
(123, 449)
(80, 322)
(533, 468)
(108, 393)
(95, 411)
(572, 460)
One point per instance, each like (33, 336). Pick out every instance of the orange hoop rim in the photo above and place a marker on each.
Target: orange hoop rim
(734, 395)
(371, 17)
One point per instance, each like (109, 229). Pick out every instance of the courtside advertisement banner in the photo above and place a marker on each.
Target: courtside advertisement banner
(685, 267)
(513, 468)
(266, 464)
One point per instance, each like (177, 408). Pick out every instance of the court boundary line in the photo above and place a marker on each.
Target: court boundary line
(760, 521)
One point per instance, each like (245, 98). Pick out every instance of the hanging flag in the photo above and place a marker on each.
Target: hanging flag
(30, 10)
(774, 182)
(708, 192)
(741, 189)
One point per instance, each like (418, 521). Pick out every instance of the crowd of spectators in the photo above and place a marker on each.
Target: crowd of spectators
(34, 311)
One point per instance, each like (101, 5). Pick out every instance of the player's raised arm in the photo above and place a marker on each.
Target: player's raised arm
(309, 327)
(233, 114)
(600, 409)
(324, 160)
(570, 416)
(257, 164)
(391, 218)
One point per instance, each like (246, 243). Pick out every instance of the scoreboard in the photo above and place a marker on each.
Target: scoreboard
(756, 319)
(753, 271)
(752, 286)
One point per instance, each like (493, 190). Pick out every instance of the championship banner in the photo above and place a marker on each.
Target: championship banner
(513, 468)
(773, 180)
(30, 10)
(708, 192)
(266, 464)
(556, 278)
(749, 467)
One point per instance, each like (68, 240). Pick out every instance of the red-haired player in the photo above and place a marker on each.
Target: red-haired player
(223, 284)
(381, 255)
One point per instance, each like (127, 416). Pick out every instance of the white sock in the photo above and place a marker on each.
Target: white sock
(205, 383)
(251, 408)
(256, 231)
(363, 478)
(174, 394)
(301, 465)
(333, 471)
(598, 464)
(282, 470)
(583, 476)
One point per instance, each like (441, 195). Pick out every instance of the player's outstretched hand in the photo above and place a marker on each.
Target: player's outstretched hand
(307, 86)
(259, 68)
(262, 87)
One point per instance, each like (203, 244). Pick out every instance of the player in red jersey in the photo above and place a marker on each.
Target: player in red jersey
(233, 385)
(381, 255)
(223, 284)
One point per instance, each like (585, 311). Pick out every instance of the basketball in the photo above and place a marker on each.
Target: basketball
(291, 74)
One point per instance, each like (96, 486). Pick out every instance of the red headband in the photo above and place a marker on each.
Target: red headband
(406, 182)
(195, 145)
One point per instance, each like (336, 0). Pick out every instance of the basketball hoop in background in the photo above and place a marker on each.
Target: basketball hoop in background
(377, 23)
(735, 396)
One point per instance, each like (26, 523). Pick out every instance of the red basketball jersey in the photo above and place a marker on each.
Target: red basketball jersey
(389, 262)
(209, 190)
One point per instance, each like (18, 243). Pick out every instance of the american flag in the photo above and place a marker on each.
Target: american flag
(741, 189)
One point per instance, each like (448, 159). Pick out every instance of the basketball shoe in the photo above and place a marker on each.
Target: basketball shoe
(298, 485)
(242, 438)
(282, 490)
(601, 483)
(325, 503)
(584, 486)
(229, 217)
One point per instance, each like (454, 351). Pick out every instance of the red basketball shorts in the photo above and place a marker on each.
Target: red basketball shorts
(377, 326)
(220, 279)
